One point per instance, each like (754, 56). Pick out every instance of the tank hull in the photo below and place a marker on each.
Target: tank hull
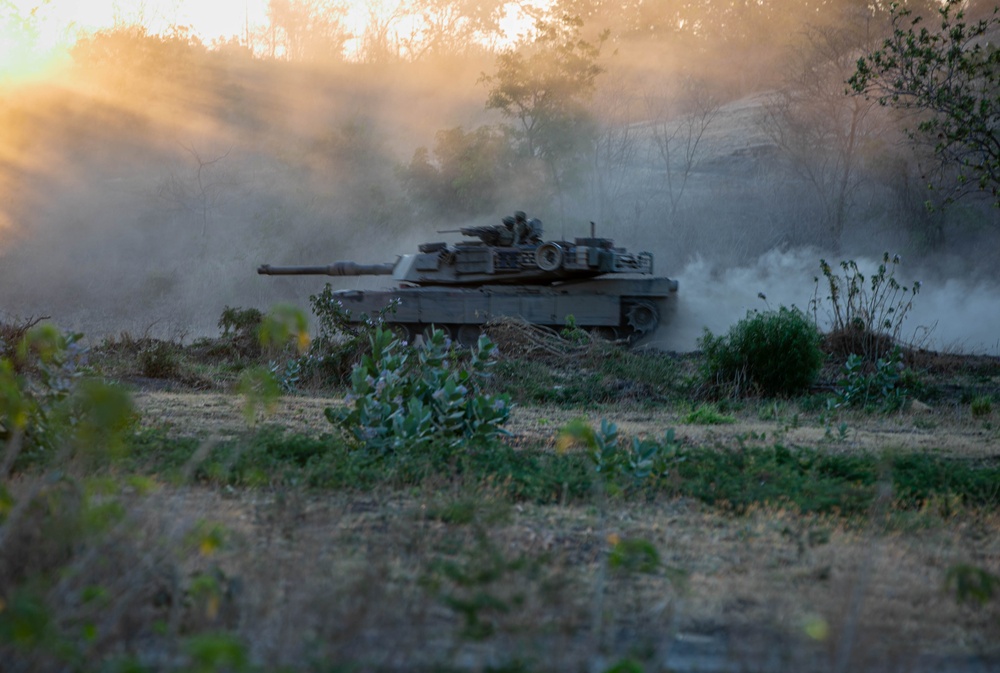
(619, 308)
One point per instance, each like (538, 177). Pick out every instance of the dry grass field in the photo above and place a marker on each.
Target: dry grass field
(774, 535)
(767, 589)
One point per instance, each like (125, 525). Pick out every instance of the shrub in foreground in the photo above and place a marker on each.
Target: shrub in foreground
(405, 398)
(773, 352)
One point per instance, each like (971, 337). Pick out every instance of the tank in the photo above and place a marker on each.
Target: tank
(510, 270)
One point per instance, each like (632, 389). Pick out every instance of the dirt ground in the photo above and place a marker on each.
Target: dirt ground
(948, 430)
(770, 591)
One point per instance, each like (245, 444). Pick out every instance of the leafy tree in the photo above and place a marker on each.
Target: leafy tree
(613, 193)
(545, 88)
(130, 61)
(355, 156)
(821, 132)
(948, 77)
(628, 17)
(679, 119)
(380, 39)
(452, 26)
(19, 26)
(307, 30)
(466, 172)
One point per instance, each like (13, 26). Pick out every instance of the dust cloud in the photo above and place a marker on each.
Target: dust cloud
(149, 216)
(948, 315)
(141, 186)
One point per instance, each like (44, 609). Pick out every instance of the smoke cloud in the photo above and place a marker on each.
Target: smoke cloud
(143, 198)
(948, 314)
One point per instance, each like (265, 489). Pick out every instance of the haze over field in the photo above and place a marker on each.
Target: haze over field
(150, 160)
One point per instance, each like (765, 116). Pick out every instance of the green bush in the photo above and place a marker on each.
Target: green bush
(882, 385)
(409, 399)
(707, 415)
(981, 406)
(160, 360)
(240, 337)
(341, 341)
(774, 352)
(47, 405)
(240, 321)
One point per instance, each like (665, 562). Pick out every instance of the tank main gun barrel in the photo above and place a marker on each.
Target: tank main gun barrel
(335, 269)
(466, 231)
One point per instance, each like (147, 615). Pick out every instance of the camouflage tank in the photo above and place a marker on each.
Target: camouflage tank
(509, 270)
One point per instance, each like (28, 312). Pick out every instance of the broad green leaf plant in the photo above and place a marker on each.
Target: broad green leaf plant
(406, 398)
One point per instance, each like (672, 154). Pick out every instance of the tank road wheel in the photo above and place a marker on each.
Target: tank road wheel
(468, 335)
(549, 256)
(642, 317)
(402, 331)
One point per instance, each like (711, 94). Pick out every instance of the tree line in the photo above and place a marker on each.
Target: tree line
(880, 112)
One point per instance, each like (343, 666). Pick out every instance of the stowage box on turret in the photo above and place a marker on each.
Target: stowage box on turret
(511, 271)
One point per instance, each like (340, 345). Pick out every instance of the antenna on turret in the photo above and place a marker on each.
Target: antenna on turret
(593, 229)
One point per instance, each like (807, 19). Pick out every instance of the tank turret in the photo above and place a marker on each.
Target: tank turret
(476, 263)
(510, 270)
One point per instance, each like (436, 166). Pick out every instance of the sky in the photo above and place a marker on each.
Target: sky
(35, 34)
(59, 18)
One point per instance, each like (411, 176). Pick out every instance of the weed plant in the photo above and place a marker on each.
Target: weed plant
(239, 339)
(883, 387)
(160, 360)
(775, 353)
(981, 406)
(44, 395)
(972, 584)
(339, 343)
(866, 314)
(485, 585)
(12, 333)
(707, 414)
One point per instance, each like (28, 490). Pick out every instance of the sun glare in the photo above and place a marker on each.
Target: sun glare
(35, 35)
